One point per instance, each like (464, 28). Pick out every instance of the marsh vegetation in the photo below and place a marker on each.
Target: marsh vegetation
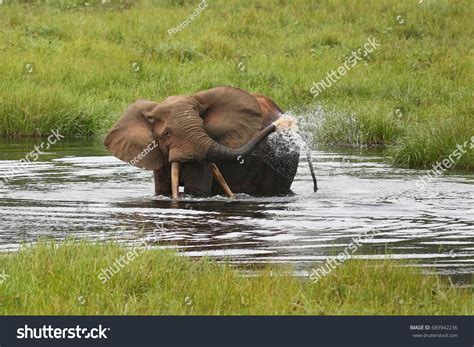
(52, 279)
(77, 66)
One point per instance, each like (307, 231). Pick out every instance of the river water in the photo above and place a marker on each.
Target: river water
(78, 190)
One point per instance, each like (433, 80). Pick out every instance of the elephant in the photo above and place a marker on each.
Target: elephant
(213, 142)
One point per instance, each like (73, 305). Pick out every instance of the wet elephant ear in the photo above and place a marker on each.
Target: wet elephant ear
(231, 116)
(131, 138)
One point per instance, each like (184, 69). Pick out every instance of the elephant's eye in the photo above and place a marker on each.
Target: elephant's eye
(163, 131)
(166, 136)
(150, 118)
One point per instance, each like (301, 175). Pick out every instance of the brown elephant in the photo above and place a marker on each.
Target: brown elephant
(212, 142)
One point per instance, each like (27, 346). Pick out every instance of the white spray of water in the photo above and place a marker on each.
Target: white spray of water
(304, 132)
(322, 125)
(282, 148)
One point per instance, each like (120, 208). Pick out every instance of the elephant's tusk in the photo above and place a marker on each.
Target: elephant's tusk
(220, 179)
(175, 179)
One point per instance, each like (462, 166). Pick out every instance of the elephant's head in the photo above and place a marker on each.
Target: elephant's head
(221, 124)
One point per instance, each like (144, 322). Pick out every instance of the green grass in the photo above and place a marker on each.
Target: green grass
(83, 79)
(63, 279)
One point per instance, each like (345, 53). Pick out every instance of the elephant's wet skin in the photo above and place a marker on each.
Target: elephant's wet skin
(212, 142)
(196, 179)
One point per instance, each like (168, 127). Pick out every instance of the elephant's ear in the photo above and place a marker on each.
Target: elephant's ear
(231, 115)
(131, 138)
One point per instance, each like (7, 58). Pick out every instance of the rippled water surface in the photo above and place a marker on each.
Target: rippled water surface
(77, 189)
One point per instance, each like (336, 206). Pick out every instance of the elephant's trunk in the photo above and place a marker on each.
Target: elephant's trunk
(218, 153)
(212, 152)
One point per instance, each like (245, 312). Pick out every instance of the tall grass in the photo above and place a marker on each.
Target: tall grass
(413, 94)
(52, 279)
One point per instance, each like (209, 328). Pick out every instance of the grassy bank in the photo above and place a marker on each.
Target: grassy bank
(412, 94)
(51, 279)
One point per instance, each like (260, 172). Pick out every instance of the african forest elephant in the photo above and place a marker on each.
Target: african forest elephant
(212, 142)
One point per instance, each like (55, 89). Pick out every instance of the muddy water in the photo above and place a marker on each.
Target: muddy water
(77, 190)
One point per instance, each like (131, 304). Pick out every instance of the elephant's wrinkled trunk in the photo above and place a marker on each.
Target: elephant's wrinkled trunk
(218, 153)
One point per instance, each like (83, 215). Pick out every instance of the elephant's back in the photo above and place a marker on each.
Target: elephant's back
(270, 110)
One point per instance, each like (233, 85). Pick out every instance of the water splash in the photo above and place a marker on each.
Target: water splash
(299, 136)
(322, 125)
(300, 133)
(285, 122)
(282, 148)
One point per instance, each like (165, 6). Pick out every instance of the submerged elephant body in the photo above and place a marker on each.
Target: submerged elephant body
(264, 173)
(206, 140)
